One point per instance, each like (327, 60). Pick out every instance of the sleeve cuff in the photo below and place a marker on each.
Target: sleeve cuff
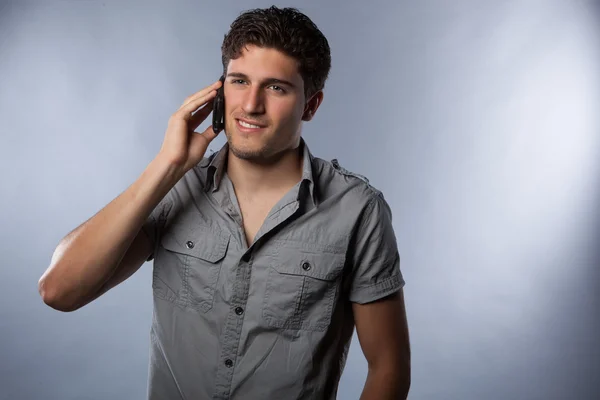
(367, 294)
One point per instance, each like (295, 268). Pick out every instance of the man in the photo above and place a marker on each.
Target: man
(265, 257)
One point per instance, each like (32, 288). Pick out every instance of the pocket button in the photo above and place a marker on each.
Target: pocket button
(306, 266)
(189, 244)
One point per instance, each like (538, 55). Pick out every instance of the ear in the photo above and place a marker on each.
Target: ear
(312, 105)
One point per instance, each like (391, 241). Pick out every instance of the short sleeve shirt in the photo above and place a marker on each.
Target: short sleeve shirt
(270, 319)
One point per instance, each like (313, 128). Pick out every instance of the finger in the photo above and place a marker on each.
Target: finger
(201, 93)
(186, 111)
(200, 116)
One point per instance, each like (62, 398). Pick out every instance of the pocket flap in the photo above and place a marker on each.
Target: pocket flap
(203, 242)
(308, 259)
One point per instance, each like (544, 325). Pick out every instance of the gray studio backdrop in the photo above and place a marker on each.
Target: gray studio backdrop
(478, 120)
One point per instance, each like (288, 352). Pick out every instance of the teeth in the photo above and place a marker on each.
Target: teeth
(247, 125)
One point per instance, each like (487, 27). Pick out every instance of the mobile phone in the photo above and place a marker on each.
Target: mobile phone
(218, 112)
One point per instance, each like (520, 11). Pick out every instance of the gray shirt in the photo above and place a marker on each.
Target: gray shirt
(270, 319)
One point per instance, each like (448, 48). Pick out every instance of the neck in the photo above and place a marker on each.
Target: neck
(251, 178)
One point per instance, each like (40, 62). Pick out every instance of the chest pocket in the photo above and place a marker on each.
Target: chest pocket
(302, 284)
(187, 266)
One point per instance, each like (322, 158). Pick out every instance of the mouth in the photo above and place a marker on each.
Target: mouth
(248, 126)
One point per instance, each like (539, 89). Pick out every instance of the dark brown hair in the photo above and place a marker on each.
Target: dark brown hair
(287, 30)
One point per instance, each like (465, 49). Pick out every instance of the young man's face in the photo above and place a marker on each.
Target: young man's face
(264, 88)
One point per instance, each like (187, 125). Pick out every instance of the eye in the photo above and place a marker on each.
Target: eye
(277, 88)
(237, 81)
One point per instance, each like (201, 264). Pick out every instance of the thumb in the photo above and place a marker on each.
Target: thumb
(209, 134)
(199, 141)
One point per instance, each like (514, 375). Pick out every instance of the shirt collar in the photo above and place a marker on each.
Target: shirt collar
(216, 165)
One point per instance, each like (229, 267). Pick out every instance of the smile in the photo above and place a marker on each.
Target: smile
(242, 123)
(245, 126)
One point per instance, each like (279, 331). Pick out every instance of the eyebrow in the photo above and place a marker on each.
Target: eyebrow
(265, 81)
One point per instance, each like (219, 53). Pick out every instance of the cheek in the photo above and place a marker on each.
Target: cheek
(230, 104)
(233, 99)
(286, 113)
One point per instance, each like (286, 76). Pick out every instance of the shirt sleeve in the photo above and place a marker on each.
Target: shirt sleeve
(375, 259)
(155, 222)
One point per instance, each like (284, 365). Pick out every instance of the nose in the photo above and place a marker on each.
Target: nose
(253, 101)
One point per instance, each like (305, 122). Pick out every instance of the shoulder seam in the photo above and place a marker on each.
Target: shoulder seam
(334, 164)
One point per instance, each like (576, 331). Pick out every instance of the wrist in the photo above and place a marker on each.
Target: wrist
(166, 173)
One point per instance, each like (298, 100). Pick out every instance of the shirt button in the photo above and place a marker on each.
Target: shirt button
(239, 310)
(306, 266)
(189, 244)
(228, 363)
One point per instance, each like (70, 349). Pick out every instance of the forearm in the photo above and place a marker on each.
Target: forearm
(88, 256)
(386, 384)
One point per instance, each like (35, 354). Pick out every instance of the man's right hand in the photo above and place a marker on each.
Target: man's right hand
(183, 147)
(110, 246)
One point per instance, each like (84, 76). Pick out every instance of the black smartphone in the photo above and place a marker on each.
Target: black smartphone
(218, 112)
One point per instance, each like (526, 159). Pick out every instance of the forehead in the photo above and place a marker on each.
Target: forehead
(261, 62)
